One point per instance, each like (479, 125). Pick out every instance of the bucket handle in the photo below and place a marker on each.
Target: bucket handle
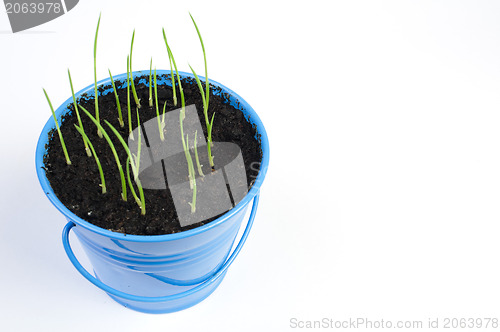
(120, 294)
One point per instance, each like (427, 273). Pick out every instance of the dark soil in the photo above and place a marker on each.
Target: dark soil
(78, 185)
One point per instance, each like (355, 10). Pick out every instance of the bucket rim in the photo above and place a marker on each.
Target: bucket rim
(89, 90)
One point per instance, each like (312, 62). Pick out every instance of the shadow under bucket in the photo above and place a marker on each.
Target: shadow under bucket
(160, 273)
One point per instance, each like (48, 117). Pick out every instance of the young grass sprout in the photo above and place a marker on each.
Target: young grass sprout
(129, 111)
(120, 118)
(137, 100)
(163, 116)
(207, 83)
(87, 140)
(115, 154)
(140, 201)
(130, 184)
(185, 145)
(138, 156)
(68, 161)
(160, 127)
(208, 124)
(170, 60)
(89, 153)
(95, 75)
(200, 171)
(192, 176)
(150, 84)
(205, 98)
(183, 101)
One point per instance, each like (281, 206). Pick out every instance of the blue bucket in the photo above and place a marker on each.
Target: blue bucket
(159, 273)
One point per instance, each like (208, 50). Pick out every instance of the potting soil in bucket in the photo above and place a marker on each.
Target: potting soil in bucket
(169, 272)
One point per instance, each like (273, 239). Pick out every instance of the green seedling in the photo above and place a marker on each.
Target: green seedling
(137, 100)
(131, 186)
(139, 200)
(150, 84)
(129, 111)
(172, 77)
(134, 169)
(185, 146)
(206, 97)
(208, 124)
(163, 116)
(89, 153)
(207, 83)
(192, 176)
(172, 61)
(160, 128)
(87, 140)
(120, 118)
(200, 171)
(209, 139)
(68, 161)
(182, 115)
(115, 154)
(138, 156)
(95, 75)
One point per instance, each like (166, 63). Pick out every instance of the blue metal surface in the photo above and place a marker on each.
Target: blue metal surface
(160, 273)
(160, 304)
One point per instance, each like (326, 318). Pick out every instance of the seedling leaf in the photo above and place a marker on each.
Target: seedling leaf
(87, 150)
(120, 118)
(115, 154)
(137, 100)
(95, 75)
(68, 161)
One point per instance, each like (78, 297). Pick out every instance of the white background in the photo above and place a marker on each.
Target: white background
(382, 197)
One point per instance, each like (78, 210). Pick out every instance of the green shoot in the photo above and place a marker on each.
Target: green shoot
(207, 83)
(192, 176)
(171, 57)
(163, 116)
(207, 96)
(95, 75)
(138, 161)
(120, 118)
(134, 170)
(87, 140)
(172, 77)
(78, 114)
(209, 139)
(129, 112)
(203, 98)
(115, 154)
(68, 161)
(137, 100)
(185, 145)
(138, 157)
(208, 124)
(182, 115)
(162, 137)
(150, 84)
(200, 171)
(193, 203)
(130, 185)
